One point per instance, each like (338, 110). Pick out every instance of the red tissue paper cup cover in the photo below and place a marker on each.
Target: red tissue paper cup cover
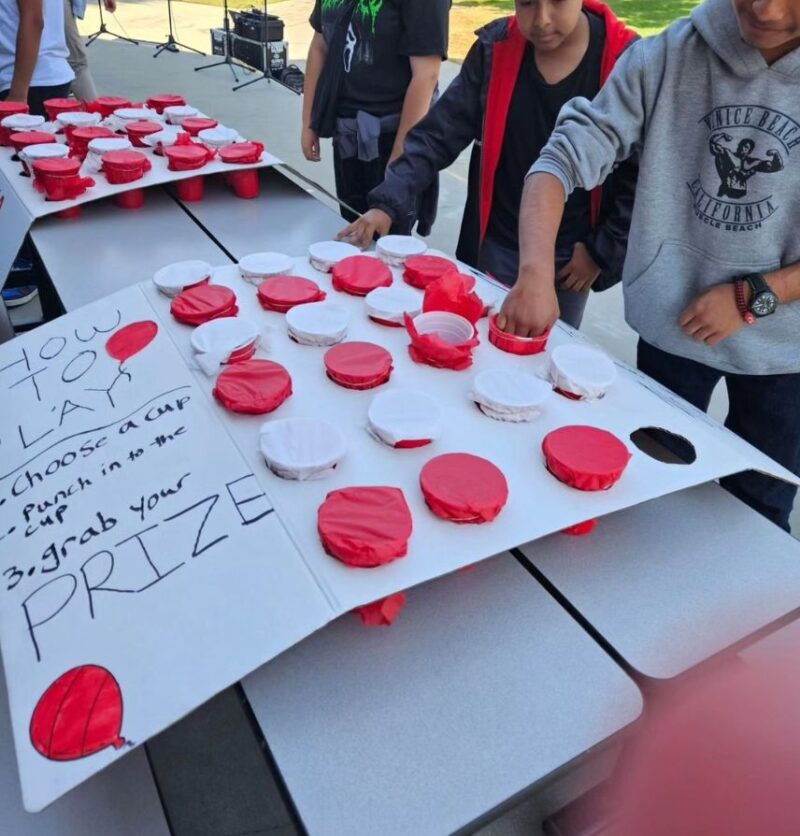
(463, 488)
(432, 350)
(163, 100)
(194, 124)
(581, 529)
(585, 458)
(202, 303)
(253, 387)
(360, 274)
(241, 153)
(23, 139)
(453, 293)
(421, 270)
(187, 157)
(282, 293)
(365, 527)
(358, 365)
(381, 613)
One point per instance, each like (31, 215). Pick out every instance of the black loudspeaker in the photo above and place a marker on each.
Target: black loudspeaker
(256, 26)
(218, 41)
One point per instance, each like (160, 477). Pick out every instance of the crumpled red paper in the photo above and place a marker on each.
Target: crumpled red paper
(434, 351)
(358, 365)
(381, 613)
(454, 293)
(463, 488)
(187, 156)
(580, 529)
(202, 303)
(282, 293)
(253, 387)
(421, 270)
(242, 153)
(365, 526)
(586, 458)
(360, 274)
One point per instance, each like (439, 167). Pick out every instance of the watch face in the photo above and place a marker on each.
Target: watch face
(764, 304)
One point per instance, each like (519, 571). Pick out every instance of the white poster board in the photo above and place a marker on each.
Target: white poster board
(142, 567)
(139, 549)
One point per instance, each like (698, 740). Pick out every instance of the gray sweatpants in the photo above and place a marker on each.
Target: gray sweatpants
(83, 84)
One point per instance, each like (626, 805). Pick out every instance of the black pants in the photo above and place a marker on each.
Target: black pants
(356, 179)
(37, 96)
(764, 410)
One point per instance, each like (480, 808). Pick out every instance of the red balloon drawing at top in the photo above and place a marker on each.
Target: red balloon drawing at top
(131, 339)
(78, 715)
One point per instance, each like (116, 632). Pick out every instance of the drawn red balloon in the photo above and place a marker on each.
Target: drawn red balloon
(79, 715)
(131, 339)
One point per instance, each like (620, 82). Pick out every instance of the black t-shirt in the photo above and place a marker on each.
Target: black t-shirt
(535, 105)
(382, 36)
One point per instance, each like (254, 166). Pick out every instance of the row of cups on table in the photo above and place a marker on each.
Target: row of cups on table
(56, 167)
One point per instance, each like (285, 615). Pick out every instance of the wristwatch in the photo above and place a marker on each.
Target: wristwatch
(763, 300)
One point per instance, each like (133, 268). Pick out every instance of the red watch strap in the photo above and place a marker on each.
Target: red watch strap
(741, 303)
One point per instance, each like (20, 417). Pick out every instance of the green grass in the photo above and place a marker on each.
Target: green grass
(646, 16)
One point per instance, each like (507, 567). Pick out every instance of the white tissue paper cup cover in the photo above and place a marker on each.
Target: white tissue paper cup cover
(318, 323)
(219, 137)
(100, 146)
(215, 341)
(78, 119)
(18, 122)
(175, 114)
(325, 254)
(450, 327)
(390, 304)
(47, 150)
(510, 395)
(395, 249)
(166, 137)
(581, 371)
(123, 115)
(173, 278)
(256, 267)
(399, 415)
(302, 448)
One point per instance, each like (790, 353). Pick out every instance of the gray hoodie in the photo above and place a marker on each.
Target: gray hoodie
(719, 179)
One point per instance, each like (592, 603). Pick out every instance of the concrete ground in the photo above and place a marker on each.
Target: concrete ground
(214, 779)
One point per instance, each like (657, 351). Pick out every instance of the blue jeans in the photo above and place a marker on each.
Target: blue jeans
(503, 264)
(764, 410)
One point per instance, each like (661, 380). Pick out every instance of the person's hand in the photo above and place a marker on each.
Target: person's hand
(362, 231)
(529, 309)
(713, 316)
(111, 5)
(581, 272)
(309, 142)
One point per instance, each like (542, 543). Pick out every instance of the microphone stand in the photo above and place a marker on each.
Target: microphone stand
(171, 45)
(227, 59)
(104, 30)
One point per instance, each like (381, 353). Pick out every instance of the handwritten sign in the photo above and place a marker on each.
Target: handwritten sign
(142, 569)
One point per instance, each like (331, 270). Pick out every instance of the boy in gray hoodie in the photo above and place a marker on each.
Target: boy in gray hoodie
(712, 276)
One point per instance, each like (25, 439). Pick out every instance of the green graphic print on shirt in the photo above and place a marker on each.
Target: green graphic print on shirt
(365, 9)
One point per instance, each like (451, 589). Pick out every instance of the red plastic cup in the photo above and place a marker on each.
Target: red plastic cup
(59, 178)
(106, 105)
(163, 100)
(245, 184)
(194, 124)
(10, 109)
(121, 167)
(25, 138)
(513, 344)
(55, 106)
(138, 130)
(79, 139)
(133, 199)
(72, 212)
(191, 189)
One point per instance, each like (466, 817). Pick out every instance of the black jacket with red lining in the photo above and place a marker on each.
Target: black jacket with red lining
(474, 108)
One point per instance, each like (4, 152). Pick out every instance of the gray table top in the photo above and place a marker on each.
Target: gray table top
(108, 248)
(674, 581)
(119, 801)
(482, 687)
(284, 218)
